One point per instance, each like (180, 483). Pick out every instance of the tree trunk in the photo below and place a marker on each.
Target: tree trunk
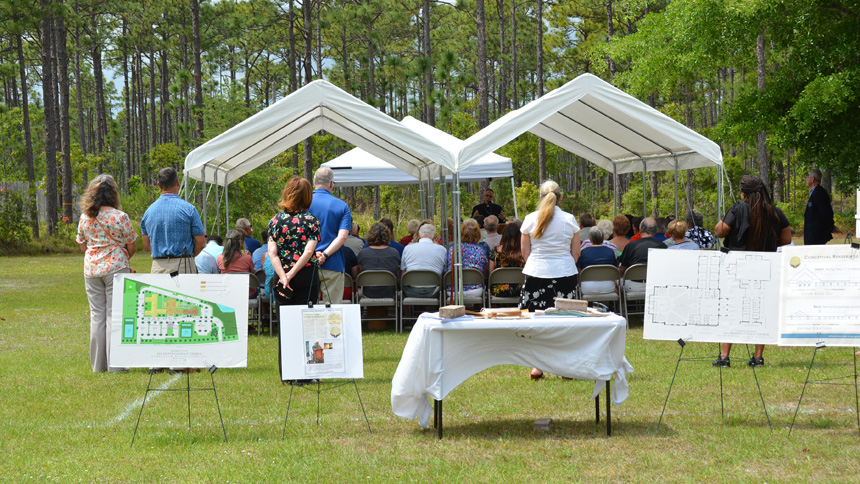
(129, 172)
(63, 66)
(98, 79)
(198, 70)
(166, 129)
(514, 100)
(153, 116)
(483, 94)
(49, 92)
(541, 143)
(28, 141)
(307, 10)
(503, 66)
(429, 103)
(761, 139)
(610, 31)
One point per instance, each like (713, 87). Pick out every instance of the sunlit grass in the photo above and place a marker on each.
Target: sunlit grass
(61, 422)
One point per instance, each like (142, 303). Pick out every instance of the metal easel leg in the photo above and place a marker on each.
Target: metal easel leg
(217, 404)
(289, 403)
(682, 343)
(362, 405)
(188, 391)
(803, 391)
(148, 386)
(763, 406)
(856, 399)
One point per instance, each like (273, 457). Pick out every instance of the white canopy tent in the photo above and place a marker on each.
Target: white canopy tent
(360, 168)
(317, 106)
(606, 126)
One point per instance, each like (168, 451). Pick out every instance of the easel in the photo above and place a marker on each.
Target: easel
(681, 358)
(188, 390)
(437, 413)
(319, 390)
(828, 381)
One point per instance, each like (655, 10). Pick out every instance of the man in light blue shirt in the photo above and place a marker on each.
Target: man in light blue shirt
(335, 222)
(171, 229)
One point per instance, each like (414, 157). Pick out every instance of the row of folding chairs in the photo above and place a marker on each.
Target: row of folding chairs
(622, 297)
(400, 301)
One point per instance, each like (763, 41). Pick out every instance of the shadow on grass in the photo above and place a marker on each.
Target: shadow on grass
(523, 429)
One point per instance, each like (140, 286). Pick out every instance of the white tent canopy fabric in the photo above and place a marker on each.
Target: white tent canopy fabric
(603, 124)
(317, 106)
(357, 167)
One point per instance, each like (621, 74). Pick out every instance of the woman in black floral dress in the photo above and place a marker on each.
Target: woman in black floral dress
(293, 237)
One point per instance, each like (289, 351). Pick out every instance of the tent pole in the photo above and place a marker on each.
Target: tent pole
(421, 194)
(514, 195)
(458, 249)
(614, 190)
(226, 200)
(205, 197)
(677, 215)
(443, 215)
(644, 190)
(719, 199)
(218, 196)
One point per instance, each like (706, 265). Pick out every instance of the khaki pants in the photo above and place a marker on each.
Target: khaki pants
(331, 285)
(184, 265)
(100, 296)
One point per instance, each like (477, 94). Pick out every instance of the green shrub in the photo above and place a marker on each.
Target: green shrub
(15, 232)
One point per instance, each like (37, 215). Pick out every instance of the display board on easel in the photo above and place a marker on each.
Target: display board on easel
(710, 296)
(321, 342)
(820, 296)
(184, 321)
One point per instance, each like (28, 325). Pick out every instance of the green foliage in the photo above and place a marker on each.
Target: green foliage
(165, 154)
(16, 231)
(528, 196)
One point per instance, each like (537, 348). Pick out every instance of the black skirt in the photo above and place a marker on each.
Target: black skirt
(306, 288)
(540, 293)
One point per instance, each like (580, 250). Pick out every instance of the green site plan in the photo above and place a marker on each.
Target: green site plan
(155, 315)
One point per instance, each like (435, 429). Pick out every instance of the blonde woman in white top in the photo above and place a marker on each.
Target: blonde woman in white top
(550, 247)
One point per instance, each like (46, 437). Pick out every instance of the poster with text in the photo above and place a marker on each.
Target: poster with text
(820, 296)
(709, 296)
(186, 321)
(321, 342)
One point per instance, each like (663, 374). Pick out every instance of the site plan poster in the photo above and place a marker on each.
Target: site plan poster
(710, 296)
(820, 296)
(321, 342)
(186, 321)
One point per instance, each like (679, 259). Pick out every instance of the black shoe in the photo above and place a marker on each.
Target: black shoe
(723, 361)
(756, 361)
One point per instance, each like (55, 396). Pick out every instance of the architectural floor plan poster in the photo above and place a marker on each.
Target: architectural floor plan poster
(321, 342)
(820, 296)
(187, 321)
(712, 297)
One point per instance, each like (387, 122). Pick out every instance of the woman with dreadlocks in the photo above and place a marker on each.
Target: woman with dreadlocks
(753, 224)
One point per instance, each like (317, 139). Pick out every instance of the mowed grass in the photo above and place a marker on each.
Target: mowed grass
(60, 422)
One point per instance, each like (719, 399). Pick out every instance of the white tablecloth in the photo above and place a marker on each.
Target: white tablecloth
(440, 355)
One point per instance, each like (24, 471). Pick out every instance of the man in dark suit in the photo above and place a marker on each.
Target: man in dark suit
(818, 218)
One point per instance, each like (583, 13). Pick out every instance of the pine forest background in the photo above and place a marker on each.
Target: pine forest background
(127, 87)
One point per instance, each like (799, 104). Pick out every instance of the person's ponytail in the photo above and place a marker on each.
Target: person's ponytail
(550, 194)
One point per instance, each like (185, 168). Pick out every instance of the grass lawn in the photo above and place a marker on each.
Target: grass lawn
(60, 422)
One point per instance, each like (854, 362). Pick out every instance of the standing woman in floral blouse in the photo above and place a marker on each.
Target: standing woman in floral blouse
(107, 241)
(293, 237)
